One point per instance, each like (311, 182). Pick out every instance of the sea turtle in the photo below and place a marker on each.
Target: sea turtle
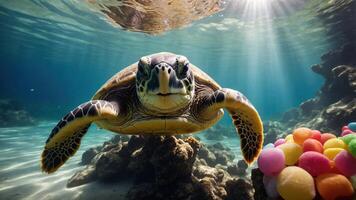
(161, 94)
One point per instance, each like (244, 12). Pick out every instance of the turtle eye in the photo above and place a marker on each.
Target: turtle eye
(182, 65)
(144, 64)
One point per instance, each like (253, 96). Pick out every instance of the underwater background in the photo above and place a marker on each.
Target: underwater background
(54, 55)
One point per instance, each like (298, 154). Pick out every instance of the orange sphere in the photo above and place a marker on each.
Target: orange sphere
(312, 145)
(301, 134)
(334, 186)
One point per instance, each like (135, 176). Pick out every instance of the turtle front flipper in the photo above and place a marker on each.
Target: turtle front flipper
(245, 118)
(65, 138)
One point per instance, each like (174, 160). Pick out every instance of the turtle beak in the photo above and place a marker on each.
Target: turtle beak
(163, 78)
(163, 81)
(163, 73)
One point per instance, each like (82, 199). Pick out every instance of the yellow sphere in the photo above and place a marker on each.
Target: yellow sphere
(294, 183)
(289, 138)
(292, 152)
(332, 152)
(335, 143)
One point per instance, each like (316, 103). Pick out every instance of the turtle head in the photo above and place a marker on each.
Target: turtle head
(164, 82)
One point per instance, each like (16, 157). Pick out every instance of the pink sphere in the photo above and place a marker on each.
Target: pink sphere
(316, 135)
(345, 128)
(271, 161)
(345, 163)
(346, 132)
(314, 163)
(279, 142)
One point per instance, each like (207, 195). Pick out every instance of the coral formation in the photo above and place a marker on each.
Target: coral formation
(13, 114)
(166, 168)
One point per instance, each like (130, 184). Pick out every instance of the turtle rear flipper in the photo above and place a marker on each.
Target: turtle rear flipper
(65, 138)
(244, 116)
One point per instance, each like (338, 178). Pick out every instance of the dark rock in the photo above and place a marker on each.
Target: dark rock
(333, 107)
(133, 144)
(13, 114)
(290, 116)
(219, 146)
(88, 155)
(142, 191)
(239, 189)
(235, 170)
(116, 139)
(340, 84)
(238, 169)
(82, 177)
(308, 106)
(221, 158)
(110, 166)
(162, 168)
(257, 182)
(209, 189)
(107, 146)
(272, 130)
(332, 117)
(345, 55)
(218, 175)
(207, 155)
(216, 154)
(175, 177)
(173, 161)
(242, 164)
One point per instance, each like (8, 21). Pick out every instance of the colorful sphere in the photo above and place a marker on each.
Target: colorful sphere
(291, 151)
(279, 142)
(345, 163)
(352, 126)
(314, 163)
(294, 183)
(332, 152)
(289, 138)
(348, 138)
(301, 134)
(345, 128)
(326, 136)
(334, 143)
(346, 132)
(312, 145)
(352, 148)
(316, 135)
(333, 186)
(271, 161)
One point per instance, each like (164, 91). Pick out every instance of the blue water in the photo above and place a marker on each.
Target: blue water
(64, 52)
(54, 55)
